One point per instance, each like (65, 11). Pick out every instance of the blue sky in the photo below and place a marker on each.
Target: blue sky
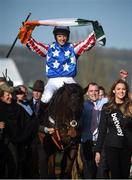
(114, 15)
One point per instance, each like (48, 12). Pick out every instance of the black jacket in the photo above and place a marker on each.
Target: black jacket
(113, 128)
(41, 116)
(19, 126)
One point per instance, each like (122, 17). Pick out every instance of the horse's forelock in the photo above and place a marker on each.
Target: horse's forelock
(66, 103)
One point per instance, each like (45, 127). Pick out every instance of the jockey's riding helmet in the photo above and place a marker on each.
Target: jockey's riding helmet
(61, 29)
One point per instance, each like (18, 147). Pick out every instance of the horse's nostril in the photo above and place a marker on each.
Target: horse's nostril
(73, 123)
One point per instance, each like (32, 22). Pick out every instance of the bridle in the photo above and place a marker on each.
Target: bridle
(57, 138)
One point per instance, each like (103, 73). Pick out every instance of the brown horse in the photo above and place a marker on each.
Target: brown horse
(63, 114)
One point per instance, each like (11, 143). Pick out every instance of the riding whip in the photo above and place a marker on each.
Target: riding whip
(16, 38)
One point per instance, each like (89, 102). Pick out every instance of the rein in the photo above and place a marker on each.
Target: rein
(57, 139)
(58, 142)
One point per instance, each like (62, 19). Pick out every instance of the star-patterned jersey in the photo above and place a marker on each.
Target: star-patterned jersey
(61, 61)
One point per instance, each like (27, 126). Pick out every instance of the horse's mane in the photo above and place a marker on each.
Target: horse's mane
(66, 104)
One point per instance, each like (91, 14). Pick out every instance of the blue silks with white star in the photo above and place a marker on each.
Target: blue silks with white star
(61, 61)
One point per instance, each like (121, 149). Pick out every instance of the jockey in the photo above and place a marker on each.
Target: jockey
(61, 56)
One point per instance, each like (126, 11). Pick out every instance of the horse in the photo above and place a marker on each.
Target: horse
(63, 114)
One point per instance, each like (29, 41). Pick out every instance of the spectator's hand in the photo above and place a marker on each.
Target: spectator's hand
(2, 125)
(123, 74)
(51, 130)
(97, 158)
(44, 129)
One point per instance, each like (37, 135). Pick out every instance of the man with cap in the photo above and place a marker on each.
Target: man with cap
(39, 109)
(35, 102)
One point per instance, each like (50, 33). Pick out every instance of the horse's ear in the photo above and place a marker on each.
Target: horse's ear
(65, 84)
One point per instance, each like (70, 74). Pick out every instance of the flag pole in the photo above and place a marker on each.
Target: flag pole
(16, 38)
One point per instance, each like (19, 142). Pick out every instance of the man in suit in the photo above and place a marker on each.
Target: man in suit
(90, 122)
(38, 108)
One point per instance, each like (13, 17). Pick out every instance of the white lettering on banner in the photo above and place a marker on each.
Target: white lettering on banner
(117, 124)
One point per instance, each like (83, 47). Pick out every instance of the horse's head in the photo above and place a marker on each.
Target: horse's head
(65, 109)
(66, 105)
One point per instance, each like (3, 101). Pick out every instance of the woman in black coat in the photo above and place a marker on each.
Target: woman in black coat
(115, 129)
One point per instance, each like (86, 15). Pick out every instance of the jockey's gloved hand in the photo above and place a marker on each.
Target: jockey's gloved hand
(99, 33)
(26, 30)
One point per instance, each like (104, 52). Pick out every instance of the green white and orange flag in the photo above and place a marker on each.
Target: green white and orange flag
(28, 27)
(61, 22)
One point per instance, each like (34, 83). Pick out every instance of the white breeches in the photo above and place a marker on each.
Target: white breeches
(53, 84)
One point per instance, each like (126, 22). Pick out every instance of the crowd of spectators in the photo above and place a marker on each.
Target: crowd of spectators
(106, 146)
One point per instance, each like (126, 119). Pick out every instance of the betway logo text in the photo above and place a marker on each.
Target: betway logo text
(117, 124)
